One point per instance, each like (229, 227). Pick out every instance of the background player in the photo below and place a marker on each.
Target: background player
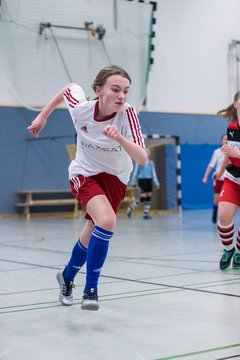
(229, 200)
(145, 176)
(216, 163)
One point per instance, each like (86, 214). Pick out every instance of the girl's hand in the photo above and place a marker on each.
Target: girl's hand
(111, 132)
(205, 180)
(216, 175)
(230, 151)
(37, 125)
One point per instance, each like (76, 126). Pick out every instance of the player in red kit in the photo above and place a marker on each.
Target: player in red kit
(229, 200)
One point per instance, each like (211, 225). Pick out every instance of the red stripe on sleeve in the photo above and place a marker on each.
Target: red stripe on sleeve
(72, 101)
(134, 126)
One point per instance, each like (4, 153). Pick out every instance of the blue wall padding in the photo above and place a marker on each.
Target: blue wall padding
(194, 160)
(37, 164)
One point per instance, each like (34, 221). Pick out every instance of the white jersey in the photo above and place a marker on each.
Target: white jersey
(217, 160)
(95, 152)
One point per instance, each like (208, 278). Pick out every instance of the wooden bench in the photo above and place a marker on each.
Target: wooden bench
(46, 198)
(57, 198)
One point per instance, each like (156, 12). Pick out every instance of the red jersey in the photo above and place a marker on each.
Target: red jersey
(233, 170)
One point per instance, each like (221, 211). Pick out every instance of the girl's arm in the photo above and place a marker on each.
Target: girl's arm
(135, 151)
(40, 121)
(217, 174)
(207, 172)
(230, 151)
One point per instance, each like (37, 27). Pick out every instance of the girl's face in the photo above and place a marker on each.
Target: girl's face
(224, 140)
(113, 94)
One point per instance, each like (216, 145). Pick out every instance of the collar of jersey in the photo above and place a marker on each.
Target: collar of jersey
(96, 110)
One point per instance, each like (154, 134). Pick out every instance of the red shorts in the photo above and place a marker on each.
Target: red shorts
(217, 187)
(230, 192)
(85, 188)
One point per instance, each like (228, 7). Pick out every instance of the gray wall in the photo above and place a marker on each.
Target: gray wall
(193, 70)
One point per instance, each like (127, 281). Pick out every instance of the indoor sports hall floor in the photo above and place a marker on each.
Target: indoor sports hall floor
(162, 295)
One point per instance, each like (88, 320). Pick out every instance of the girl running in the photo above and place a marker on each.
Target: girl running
(229, 200)
(108, 138)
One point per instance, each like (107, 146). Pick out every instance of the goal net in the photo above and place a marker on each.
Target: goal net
(46, 44)
(165, 152)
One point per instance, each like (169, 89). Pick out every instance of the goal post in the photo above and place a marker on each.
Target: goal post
(166, 153)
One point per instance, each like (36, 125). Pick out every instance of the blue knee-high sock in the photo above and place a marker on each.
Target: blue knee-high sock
(97, 252)
(77, 260)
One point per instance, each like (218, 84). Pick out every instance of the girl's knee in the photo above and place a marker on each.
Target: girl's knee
(224, 219)
(107, 222)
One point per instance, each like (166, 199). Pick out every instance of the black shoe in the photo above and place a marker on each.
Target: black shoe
(90, 300)
(226, 258)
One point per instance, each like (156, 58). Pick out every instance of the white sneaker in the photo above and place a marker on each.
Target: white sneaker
(90, 300)
(65, 295)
